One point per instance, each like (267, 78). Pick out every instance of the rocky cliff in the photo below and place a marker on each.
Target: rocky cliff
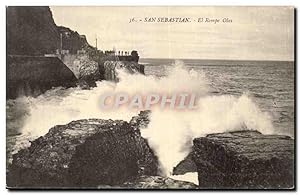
(32, 33)
(73, 41)
(31, 30)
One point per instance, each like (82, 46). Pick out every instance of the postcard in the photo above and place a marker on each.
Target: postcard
(150, 97)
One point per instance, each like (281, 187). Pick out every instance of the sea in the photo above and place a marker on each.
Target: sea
(269, 84)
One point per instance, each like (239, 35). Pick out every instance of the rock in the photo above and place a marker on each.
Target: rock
(158, 182)
(111, 67)
(104, 154)
(152, 182)
(73, 42)
(185, 166)
(86, 70)
(150, 161)
(81, 65)
(87, 67)
(32, 31)
(83, 84)
(33, 34)
(86, 83)
(141, 121)
(83, 153)
(244, 159)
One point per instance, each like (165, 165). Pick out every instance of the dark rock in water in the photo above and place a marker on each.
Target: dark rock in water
(88, 69)
(244, 159)
(83, 153)
(86, 83)
(158, 182)
(152, 182)
(110, 68)
(85, 69)
(185, 166)
(141, 121)
(96, 153)
(150, 161)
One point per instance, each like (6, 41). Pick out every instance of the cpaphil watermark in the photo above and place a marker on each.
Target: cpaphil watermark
(180, 101)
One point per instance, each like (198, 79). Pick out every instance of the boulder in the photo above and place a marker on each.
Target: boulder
(244, 160)
(141, 121)
(158, 182)
(87, 71)
(87, 67)
(110, 69)
(83, 153)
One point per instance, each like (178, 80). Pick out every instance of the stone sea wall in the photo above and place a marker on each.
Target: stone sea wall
(31, 76)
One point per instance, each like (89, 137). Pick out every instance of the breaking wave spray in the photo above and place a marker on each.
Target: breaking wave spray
(170, 132)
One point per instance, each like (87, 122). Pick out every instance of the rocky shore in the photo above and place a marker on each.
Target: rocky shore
(84, 153)
(96, 153)
(244, 159)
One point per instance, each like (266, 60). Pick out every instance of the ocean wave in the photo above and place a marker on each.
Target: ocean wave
(170, 132)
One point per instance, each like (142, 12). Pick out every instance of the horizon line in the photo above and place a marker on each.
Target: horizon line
(272, 60)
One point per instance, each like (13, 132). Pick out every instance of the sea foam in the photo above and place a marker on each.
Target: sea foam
(170, 132)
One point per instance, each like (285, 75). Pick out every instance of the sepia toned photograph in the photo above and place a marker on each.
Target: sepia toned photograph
(150, 97)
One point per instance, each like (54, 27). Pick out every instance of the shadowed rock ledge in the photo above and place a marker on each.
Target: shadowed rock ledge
(244, 159)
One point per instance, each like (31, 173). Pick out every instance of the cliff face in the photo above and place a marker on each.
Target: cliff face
(32, 31)
(73, 41)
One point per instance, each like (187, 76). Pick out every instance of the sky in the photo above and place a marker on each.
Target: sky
(254, 33)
